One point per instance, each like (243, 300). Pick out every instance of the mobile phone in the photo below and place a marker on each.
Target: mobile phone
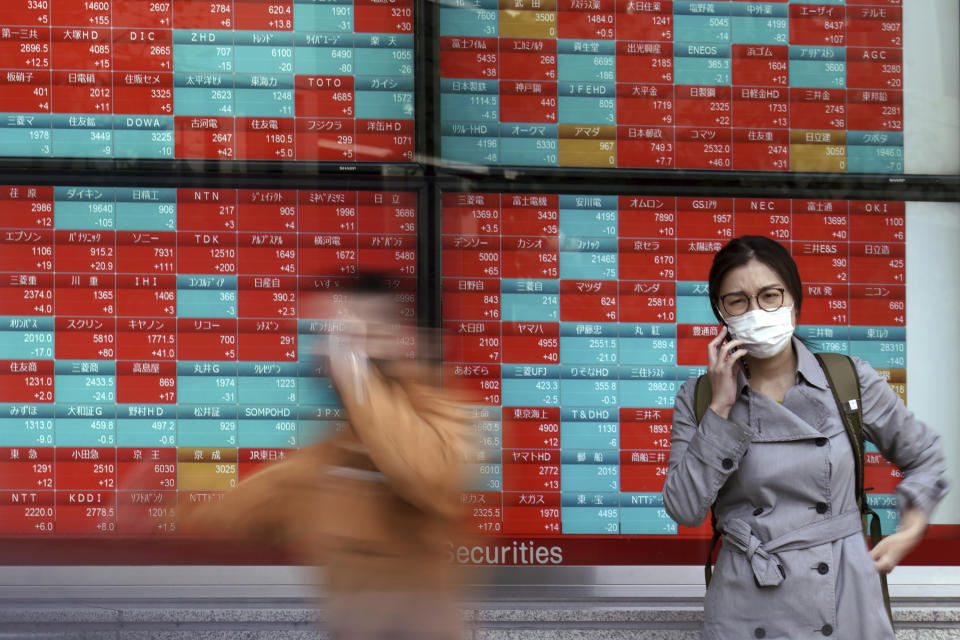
(742, 361)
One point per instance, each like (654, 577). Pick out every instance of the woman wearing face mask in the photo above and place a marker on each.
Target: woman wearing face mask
(771, 455)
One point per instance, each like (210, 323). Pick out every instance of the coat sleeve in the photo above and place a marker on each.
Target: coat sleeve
(702, 457)
(418, 435)
(903, 440)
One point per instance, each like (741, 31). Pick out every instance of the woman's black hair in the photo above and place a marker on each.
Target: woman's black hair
(742, 250)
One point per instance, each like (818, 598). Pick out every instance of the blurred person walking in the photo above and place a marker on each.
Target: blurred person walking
(376, 504)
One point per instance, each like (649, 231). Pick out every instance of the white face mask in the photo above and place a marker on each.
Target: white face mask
(764, 333)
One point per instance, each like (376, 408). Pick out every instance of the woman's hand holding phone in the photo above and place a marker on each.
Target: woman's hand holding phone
(723, 358)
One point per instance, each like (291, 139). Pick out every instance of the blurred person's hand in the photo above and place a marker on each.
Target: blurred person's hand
(364, 324)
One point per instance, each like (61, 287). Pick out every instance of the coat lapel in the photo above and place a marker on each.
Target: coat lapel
(801, 416)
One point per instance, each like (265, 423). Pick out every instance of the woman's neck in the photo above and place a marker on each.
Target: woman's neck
(782, 365)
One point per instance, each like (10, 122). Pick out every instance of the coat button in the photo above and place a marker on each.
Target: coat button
(826, 630)
(823, 568)
(759, 632)
(758, 511)
(727, 463)
(822, 507)
(821, 441)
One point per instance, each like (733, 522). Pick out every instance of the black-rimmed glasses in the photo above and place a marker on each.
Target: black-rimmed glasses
(737, 304)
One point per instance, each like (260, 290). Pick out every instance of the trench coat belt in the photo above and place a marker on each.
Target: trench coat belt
(767, 567)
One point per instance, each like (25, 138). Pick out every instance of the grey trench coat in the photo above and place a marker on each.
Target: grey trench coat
(794, 563)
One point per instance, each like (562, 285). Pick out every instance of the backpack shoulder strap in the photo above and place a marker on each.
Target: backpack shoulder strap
(702, 395)
(842, 375)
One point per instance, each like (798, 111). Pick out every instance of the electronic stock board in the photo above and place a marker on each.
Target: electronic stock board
(770, 86)
(151, 346)
(576, 317)
(721, 85)
(152, 350)
(208, 79)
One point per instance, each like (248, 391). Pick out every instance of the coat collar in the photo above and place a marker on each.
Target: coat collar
(801, 415)
(807, 367)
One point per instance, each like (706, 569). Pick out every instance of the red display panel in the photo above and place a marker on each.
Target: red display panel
(576, 317)
(773, 86)
(153, 349)
(197, 79)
